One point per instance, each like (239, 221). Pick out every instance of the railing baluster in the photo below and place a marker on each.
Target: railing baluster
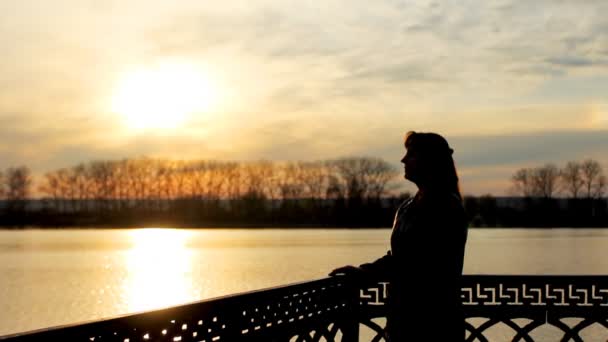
(350, 323)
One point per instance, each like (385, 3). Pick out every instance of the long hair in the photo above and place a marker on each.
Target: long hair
(435, 162)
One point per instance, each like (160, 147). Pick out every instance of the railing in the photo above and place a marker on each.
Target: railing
(334, 309)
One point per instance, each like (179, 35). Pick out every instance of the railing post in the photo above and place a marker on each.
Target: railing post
(350, 323)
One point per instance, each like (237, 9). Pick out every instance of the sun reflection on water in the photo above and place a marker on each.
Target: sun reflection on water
(159, 269)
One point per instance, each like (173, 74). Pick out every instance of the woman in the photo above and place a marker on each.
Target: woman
(424, 264)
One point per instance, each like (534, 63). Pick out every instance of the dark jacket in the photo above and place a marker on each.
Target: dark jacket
(424, 267)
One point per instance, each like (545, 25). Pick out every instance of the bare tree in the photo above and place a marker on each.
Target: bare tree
(346, 180)
(600, 187)
(2, 185)
(362, 178)
(523, 183)
(257, 178)
(572, 179)
(179, 178)
(591, 174)
(545, 180)
(157, 182)
(198, 175)
(315, 178)
(164, 174)
(63, 187)
(82, 183)
(71, 185)
(121, 186)
(289, 180)
(335, 188)
(19, 182)
(377, 174)
(50, 187)
(103, 182)
(232, 173)
(214, 181)
(536, 182)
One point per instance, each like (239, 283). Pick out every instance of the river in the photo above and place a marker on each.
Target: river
(52, 277)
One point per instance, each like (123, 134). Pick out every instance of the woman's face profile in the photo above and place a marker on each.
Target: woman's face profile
(409, 164)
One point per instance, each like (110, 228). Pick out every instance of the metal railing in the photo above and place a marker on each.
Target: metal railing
(334, 309)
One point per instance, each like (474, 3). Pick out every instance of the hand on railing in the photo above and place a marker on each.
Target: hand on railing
(346, 271)
(353, 274)
(359, 276)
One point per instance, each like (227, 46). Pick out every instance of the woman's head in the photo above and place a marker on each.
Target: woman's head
(429, 163)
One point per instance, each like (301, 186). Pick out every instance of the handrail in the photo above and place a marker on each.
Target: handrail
(277, 311)
(334, 308)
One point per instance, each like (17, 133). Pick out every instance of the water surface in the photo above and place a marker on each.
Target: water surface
(52, 277)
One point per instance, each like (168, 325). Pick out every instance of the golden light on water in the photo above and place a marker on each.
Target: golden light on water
(162, 97)
(159, 266)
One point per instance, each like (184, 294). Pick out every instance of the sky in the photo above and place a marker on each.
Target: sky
(509, 83)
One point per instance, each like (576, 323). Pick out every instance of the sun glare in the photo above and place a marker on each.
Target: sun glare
(162, 97)
(159, 266)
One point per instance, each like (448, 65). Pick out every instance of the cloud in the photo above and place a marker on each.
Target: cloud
(508, 80)
(572, 61)
(530, 148)
(399, 73)
(423, 51)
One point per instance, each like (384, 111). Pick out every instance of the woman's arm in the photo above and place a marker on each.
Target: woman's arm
(378, 268)
(382, 267)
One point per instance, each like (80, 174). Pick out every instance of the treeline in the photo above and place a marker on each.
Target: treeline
(347, 192)
(548, 196)
(576, 179)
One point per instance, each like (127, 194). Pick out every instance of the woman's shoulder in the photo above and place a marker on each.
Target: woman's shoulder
(442, 204)
(406, 202)
(441, 199)
(404, 205)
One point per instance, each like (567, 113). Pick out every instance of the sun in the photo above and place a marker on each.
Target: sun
(162, 97)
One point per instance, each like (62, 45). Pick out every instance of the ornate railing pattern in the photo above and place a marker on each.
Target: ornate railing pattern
(334, 309)
(540, 300)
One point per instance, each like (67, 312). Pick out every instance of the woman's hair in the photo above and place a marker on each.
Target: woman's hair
(434, 160)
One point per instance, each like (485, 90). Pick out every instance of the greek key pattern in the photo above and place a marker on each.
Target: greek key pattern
(374, 295)
(510, 291)
(571, 294)
(543, 300)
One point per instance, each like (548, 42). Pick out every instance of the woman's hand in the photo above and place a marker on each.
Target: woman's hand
(346, 270)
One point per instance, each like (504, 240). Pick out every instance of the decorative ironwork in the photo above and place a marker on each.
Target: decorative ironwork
(335, 309)
(540, 300)
(543, 300)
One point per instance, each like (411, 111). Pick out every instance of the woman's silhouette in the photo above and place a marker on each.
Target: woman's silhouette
(424, 264)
